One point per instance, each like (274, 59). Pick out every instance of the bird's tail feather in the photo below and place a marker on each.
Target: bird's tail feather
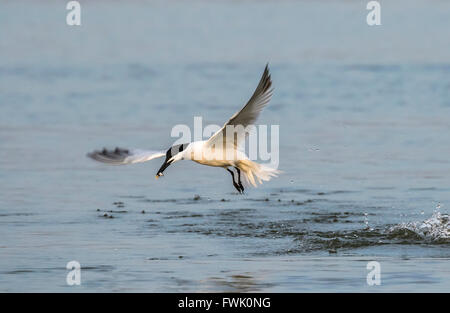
(254, 172)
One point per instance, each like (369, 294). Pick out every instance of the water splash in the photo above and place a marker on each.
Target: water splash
(436, 228)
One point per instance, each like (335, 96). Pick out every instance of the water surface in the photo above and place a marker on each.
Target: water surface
(364, 117)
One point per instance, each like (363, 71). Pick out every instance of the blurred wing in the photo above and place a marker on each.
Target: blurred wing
(120, 156)
(250, 112)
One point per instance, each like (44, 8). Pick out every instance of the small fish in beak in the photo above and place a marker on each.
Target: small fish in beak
(161, 170)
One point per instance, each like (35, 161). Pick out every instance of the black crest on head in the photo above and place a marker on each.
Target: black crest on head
(176, 149)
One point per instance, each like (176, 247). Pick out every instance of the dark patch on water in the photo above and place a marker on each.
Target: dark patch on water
(239, 283)
(181, 214)
(98, 268)
(24, 271)
(307, 232)
(380, 188)
(16, 214)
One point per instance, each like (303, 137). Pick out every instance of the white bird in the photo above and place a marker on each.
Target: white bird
(219, 150)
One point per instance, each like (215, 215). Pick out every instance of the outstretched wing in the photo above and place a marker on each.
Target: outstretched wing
(120, 156)
(250, 112)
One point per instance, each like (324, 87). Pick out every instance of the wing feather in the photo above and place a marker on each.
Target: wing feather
(251, 110)
(121, 156)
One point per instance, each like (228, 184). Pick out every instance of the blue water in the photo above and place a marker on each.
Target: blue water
(364, 115)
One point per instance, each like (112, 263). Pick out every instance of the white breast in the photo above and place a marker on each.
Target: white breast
(204, 154)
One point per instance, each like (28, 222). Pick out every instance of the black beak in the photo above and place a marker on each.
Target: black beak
(162, 169)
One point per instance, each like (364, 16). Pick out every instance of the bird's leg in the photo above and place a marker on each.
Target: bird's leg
(239, 179)
(234, 183)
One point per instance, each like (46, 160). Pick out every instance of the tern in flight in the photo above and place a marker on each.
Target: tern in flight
(219, 150)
